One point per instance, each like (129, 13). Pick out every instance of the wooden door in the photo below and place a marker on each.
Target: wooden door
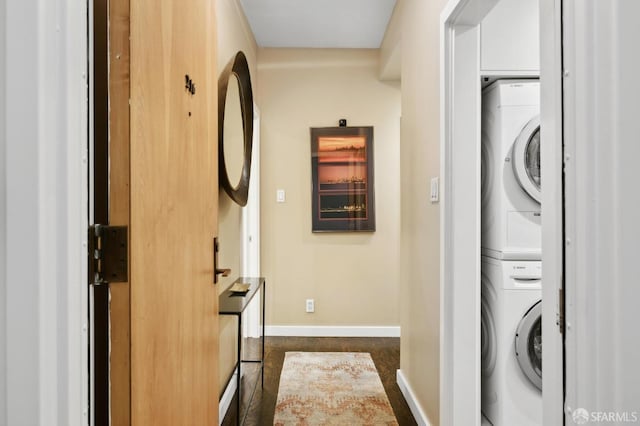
(164, 338)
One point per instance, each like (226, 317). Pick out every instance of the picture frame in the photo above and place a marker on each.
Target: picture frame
(343, 195)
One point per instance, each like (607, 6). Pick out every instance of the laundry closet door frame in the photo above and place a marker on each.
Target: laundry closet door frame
(460, 97)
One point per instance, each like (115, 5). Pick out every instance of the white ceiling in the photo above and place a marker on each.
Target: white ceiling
(318, 23)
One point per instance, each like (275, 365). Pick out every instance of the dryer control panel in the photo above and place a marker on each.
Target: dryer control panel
(525, 275)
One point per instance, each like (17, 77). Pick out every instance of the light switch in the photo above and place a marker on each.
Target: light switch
(434, 189)
(280, 196)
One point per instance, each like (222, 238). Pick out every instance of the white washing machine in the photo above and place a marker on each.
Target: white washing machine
(511, 342)
(511, 170)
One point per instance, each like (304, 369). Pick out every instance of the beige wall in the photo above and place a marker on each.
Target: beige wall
(234, 34)
(420, 235)
(356, 279)
(353, 277)
(391, 47)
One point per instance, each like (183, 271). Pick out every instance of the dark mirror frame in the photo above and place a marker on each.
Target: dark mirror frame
(239, 67)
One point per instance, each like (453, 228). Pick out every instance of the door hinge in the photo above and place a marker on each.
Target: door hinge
(108, 254)
(560, 321)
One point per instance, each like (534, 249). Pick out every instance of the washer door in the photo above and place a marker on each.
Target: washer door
(525, 158)
(529, 344)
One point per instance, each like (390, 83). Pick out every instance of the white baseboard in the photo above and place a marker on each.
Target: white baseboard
(227, 397)
(410, 397)
(332, 331)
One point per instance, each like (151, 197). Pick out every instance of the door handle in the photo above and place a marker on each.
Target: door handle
(218, 271)
(225, 272)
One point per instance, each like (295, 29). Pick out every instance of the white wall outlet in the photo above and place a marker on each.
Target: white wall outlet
(435, 191)
(310, 306)
(280, 196)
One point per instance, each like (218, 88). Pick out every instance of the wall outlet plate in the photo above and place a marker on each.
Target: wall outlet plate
(280, 196)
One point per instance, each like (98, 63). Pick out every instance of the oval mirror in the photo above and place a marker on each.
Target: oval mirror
(233, 146)
(235, 128)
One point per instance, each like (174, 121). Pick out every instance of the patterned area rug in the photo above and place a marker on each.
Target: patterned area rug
(331, 388)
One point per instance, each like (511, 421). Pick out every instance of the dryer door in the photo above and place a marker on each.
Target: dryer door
(529, 344)
(525, 158)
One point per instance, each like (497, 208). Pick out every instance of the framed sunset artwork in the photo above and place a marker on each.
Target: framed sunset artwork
(342, 174)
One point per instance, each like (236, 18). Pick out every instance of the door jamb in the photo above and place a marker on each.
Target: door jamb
(552, 153)
(250, 231)
(99, 190)
(459, 215)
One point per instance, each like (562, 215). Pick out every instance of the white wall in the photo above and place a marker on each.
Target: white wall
(43, 195)
(601, 106)
(510, 38)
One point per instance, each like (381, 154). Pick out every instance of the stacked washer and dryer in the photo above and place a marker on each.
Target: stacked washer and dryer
(511, 254)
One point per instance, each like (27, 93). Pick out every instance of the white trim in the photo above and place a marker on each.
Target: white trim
(250, 232)
(418, 413)
(460, 211)
(446, 304)
(331, 331)
(552, 220)
(227, 396)
(3, 220)
(251, 212)
(510, 74)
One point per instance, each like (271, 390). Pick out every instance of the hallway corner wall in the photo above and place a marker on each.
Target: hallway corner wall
(420, 232)
(234, 34)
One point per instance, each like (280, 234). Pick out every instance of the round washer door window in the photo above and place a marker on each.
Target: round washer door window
(529, 344)
(526, 158)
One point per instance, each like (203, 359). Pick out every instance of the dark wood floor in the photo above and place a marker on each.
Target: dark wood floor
(384, 351)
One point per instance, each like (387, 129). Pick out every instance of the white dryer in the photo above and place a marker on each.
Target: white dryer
(511, 342)
(511, 170)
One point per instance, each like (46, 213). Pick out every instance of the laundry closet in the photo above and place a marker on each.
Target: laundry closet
(511, 233)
